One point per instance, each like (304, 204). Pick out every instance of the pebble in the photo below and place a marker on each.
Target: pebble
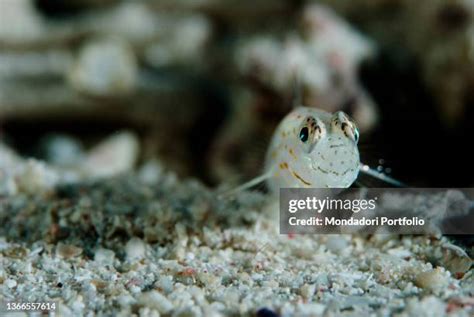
(135, 249)
(126, 300)
(105, 67)
(67, 251)
(150, 172)
(104, 256)
(78, 305)
(311, 309)
(193, 311)
(307, 290)
(165, 283)
(455, 259)
(114, 155)
(147, 312)
(186, 45)
(10, 283)
(429, 306)
(7, 185)
(434, 280)
(61, 150)
(34, 177)
(155, 300)
(19, 22)
(336, 243)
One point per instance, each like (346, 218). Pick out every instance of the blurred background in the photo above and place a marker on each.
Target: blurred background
(92, 88)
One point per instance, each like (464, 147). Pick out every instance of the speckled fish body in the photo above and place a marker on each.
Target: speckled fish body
(313, 149)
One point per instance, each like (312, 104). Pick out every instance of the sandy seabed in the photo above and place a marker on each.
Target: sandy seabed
(123, 246)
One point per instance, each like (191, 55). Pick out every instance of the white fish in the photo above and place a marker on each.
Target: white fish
(312, 148)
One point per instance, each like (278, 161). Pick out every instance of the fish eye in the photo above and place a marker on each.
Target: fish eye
(356, 135)
(304, 134)
(311, 131)
(341, 122)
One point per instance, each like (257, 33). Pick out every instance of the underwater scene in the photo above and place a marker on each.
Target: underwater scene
(265, 158)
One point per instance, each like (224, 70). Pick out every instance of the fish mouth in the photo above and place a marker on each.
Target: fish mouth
(299, 177)
(327, 171)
